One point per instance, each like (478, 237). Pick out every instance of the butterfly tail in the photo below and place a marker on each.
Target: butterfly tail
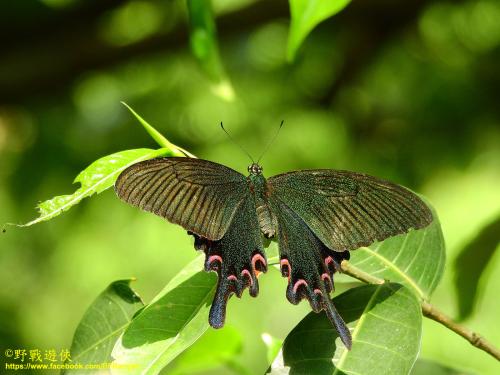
(217, 314)
(338, 322)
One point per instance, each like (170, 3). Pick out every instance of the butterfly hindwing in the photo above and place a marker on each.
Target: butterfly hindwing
(197, 194)
(237, 258)
(309, 266)
(347, 210)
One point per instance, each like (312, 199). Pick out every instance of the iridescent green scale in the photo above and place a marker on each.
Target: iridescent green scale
(316, 216)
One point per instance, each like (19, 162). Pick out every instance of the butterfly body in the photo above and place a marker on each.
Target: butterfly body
(260, 190)
(316, 216)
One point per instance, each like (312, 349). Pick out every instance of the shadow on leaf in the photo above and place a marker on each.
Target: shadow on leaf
(470, 264)
(426, 367)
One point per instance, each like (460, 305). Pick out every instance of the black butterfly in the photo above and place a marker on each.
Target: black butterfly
(315, 215)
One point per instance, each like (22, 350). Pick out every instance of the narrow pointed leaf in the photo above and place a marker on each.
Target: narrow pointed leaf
(158, 137)
(173, 321)
(386, 325)
(305, 15)
(103, 323)
(415, 259)
(204, 46)
(97, 177)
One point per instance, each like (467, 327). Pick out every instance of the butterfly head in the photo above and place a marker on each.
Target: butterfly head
(255, 169)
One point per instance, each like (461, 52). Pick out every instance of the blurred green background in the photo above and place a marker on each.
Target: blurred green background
(405, 90)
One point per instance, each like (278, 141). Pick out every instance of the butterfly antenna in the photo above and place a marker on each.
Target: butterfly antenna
(236, 143)
(271, 142)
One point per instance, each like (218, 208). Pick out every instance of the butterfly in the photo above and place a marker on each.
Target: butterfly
(316, 216)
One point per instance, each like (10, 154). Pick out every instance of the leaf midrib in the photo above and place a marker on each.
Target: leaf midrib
(396, 269)
(368, 306)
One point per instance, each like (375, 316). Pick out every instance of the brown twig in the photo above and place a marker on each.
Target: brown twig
(475, 339)
(431, 312)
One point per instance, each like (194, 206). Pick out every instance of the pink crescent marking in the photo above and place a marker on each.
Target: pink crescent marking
(247, 272)
(285, 262)
(328, 260)
(232, 277)
(211, 258)
(317, 291)
(326, 276)
(258, 257)
(299, 283)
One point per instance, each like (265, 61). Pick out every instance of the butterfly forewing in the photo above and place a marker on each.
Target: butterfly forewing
(346, 210)
(199, 195)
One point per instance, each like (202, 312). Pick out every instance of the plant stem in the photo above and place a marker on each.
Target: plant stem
(475, 339)
(430, 312)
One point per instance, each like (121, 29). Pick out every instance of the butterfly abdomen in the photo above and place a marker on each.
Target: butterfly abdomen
(267, 219)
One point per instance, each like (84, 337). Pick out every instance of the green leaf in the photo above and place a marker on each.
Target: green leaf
(102, 173)
(470, 264)
(386, 325)
(305, 15)
(214, 349)
(103, 323)
(172, 322)
(203, 40)
(97, 177)
(415, 259)
(158, 137)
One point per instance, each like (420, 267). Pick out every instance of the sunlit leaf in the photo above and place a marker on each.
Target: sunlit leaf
(214, 349)
(103, 323)
(415, 259)
(386, 325)
(172, 322)
(102, 173)
(470, 264)
(305, 15)
(97, 177)
(204, 46)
